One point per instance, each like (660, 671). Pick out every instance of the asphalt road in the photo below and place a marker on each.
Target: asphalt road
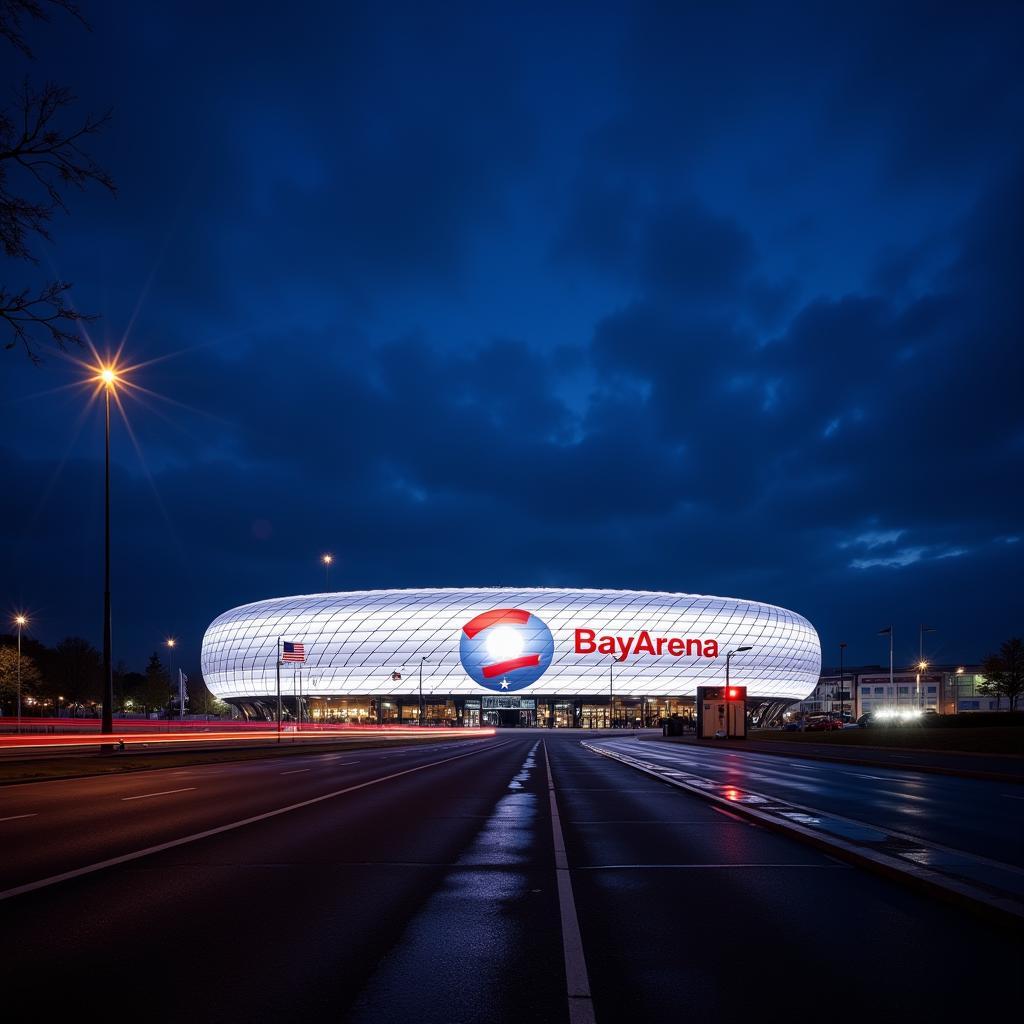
(977, 816)
(420, 885)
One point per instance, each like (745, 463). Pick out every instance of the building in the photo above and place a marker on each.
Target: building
(945, 689)
(548, 657)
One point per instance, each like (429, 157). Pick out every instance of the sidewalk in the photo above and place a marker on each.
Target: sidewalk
(998, 767)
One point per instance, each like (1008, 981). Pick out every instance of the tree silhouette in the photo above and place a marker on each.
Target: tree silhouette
(41, 157)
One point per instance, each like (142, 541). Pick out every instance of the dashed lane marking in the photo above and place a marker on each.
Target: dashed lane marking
(166, 792)
(89, 869)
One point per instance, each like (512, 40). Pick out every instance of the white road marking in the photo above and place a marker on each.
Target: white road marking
(166, 792)
(16, 817)
(89, 869)
(581, 1005)
(296, 771)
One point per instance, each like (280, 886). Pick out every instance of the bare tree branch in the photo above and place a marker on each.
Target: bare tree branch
(52, 159)
(14, 12)
(45, 313)
(40, 158)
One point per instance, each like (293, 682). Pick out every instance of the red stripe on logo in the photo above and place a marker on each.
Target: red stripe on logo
(481, 622)
(501, 667)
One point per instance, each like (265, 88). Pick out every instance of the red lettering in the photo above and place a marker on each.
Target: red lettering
(643, 643)
(625, 645)
(675, 647)
(661, 641)
(585, 641)
(711, 649)
(607, 646)
(690, 644)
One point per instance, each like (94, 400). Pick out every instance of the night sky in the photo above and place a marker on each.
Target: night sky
(715, 298)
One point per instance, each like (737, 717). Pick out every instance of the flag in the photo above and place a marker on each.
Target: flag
(293, 652)
(886, 631)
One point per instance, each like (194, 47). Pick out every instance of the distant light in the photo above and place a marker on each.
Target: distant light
(922, 665)
(21, 620)
(171, 641)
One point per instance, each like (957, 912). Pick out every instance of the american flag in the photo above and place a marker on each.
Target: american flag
(293, 652)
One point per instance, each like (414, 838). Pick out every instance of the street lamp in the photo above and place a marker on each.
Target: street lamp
(108, 379)
(20, 621)
(171, 643)
(420, 722)
(327, 559)
(728, 658)
(611, 692)
(842, 681)
(921, 663)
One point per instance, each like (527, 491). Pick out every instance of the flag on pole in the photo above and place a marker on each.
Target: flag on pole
(293, 652)
(886, 631)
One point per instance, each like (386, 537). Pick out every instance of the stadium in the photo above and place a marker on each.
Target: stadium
(504, 656)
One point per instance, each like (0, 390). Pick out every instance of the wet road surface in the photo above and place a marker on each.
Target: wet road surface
(977, 816)
(420, 885)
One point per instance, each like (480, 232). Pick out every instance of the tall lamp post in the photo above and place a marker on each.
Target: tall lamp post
(171, 644)
(420, 722)
(107, 377)
(20, 621)
(921, 663)
(611, 692)
(842, 681)
(327, 559)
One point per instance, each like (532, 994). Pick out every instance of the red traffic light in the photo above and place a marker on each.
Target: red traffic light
(734, 693)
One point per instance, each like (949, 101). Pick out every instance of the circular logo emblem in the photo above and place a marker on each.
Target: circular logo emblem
(506, 649)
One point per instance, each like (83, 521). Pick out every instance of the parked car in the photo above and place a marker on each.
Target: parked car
(791, 727)
(824, 723)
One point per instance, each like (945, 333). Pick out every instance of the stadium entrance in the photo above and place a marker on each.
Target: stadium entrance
(509, 712)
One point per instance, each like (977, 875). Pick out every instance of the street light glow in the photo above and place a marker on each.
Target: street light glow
(20, 620)
(171, 641)
(327, 559)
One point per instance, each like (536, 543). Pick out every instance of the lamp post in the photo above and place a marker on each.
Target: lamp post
(921, 663)
(420, 722)
(327, 558)
(611, 692)
(728, 658)
(171, 643)
(842, 681)
(20, 621)
(107, 377)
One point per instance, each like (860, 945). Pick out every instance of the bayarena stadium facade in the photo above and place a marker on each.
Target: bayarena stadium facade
(509, 657)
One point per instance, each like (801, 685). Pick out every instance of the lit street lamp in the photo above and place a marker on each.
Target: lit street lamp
(20, 621)
(327, 559)
(108, 379)
(171, 644)
(921, 663)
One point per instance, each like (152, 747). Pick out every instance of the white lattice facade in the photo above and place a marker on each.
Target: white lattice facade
(665, 644)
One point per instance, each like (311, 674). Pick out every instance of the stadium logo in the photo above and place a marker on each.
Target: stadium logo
(506, 649)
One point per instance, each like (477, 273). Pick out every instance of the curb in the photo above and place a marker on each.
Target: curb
(965, 773)
(1001, 909)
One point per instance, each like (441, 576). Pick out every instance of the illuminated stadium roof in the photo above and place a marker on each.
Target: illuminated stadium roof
(542, 642)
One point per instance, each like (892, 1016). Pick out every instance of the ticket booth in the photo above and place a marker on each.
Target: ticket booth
(722, 712)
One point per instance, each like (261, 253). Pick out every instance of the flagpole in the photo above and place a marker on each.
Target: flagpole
(278, 652)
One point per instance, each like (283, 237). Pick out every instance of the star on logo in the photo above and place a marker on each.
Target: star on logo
(504, 684)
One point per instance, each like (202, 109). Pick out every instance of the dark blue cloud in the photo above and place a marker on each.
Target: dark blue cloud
(722, 299)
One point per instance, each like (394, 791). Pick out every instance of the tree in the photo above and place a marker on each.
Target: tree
(77, 671)
(155, 690)
(1004, 672)
(30, 678)
(40, 158)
